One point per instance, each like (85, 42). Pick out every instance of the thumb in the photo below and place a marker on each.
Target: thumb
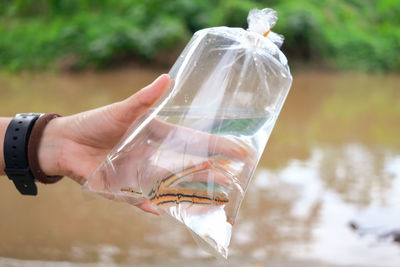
(129, 109)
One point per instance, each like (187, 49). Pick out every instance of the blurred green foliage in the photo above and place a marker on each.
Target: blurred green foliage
(361, 34)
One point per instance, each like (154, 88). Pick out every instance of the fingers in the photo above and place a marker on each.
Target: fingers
(147, 207)
(128, 110)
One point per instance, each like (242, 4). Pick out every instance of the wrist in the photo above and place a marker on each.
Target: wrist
(51, 147)
(21, 151)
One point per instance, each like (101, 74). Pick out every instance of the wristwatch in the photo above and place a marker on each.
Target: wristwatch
(16, 151)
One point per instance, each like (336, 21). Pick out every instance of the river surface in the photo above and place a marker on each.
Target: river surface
(332, 159)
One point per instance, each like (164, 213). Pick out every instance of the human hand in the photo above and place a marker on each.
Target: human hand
(75, 145)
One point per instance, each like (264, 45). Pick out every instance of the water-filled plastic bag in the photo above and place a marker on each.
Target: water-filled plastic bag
(192, 154)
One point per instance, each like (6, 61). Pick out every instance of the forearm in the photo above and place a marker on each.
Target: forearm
(3, 127)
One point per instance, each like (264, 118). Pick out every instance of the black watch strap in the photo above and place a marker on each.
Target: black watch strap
(15, 152)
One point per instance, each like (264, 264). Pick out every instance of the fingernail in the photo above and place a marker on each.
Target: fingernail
(154, 82)
(159, 78)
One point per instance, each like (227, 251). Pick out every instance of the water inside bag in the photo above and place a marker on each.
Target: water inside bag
(192, 164)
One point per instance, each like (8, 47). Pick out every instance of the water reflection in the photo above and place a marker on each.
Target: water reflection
(333, 158)
(357, 173)
(308, 204)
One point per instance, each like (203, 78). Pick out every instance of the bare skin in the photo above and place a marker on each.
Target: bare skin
(75, 145)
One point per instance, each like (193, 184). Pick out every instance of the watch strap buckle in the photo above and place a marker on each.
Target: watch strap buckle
(23, 180)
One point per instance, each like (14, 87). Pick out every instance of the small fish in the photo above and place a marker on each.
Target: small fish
(187, 195)
(162, 193)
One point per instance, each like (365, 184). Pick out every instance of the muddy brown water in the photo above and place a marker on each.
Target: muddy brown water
(333, 158)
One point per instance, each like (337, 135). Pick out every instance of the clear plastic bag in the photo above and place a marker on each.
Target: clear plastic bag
(193, 153)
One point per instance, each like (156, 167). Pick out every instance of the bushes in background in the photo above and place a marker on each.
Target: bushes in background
(34, 34)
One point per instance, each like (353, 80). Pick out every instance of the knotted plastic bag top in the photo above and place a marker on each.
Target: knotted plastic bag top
(261, 21)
